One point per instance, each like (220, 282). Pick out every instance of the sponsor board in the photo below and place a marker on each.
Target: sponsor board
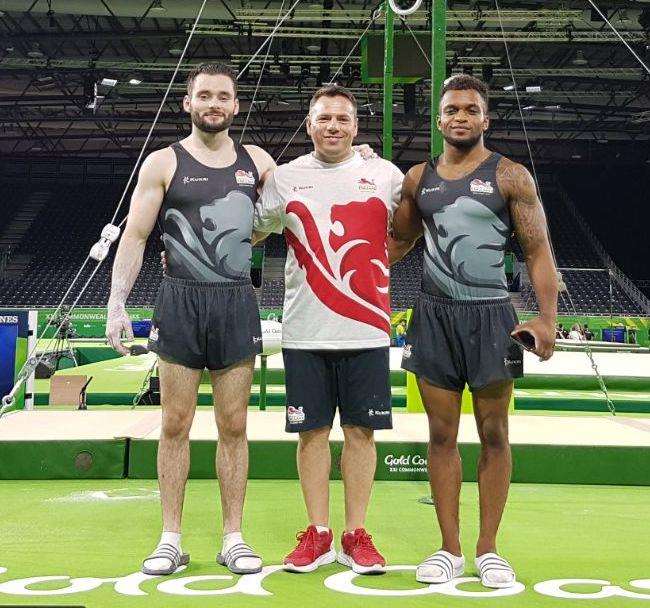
(342, 582)
(406, 463)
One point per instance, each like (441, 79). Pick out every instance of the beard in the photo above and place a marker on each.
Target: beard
(463, 144)
(207, 127)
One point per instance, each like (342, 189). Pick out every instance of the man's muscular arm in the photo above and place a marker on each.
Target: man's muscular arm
(145, 205)
(407, 221)
(518, 187)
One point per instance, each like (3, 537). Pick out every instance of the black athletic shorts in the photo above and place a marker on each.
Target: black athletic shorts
(201, 325)
(319, 381)
(451, 343)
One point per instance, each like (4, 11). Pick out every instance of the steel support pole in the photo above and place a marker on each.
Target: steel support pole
(438, 67)
(387, 123)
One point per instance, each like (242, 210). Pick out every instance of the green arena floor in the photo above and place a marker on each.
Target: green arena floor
(102, 529)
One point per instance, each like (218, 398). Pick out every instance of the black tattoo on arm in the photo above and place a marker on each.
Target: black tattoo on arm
(518, 188)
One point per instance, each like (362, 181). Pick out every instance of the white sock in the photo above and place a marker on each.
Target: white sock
(322, 529)
(431, 570)
(171, 538)
(246, 563)
(166, 538)
(501, 572)
(230, 539)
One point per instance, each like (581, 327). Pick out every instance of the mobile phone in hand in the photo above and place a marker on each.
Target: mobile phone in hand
(524, 339)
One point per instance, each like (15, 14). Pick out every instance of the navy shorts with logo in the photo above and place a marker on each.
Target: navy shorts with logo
(320, 381)
(205, 324)
(451, 343)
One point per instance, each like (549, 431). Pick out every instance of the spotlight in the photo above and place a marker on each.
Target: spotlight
(35, 52)
(534, 89)
(108, 82)
(510, 87)
(579, 60)
(157, 6)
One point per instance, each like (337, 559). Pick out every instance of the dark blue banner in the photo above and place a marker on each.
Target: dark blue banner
(8, 337)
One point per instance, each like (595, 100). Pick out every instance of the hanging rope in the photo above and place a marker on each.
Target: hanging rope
(625, 42)
(259, 80)
(563, 291)
(374, 17)
(111, 232)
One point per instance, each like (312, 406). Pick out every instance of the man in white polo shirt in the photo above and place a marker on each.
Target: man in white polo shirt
(335, 210)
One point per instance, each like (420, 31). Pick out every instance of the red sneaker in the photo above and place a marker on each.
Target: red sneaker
(314, 549)
(359, 553)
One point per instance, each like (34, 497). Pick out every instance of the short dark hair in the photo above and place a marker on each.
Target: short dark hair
(465, 82)
(333, 90)
(214, 69)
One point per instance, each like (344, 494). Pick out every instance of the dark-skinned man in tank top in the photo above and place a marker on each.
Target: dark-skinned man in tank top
(466, 203)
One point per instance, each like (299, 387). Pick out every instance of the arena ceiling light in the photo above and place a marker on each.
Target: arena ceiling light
(404, 7)
(35, 52)
(579, 59)
(157, 6)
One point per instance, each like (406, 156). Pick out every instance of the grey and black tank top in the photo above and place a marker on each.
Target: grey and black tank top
(207, 218)
(466, 224)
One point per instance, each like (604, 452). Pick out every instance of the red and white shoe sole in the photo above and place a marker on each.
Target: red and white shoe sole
(326, 558)
(345, 560)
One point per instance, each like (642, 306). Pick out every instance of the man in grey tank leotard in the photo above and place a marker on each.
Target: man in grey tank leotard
(466, 203)
(203, 189)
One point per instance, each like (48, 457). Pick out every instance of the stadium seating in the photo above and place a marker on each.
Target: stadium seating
(61, 236)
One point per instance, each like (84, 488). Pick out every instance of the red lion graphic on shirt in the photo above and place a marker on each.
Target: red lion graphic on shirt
(357, 264)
